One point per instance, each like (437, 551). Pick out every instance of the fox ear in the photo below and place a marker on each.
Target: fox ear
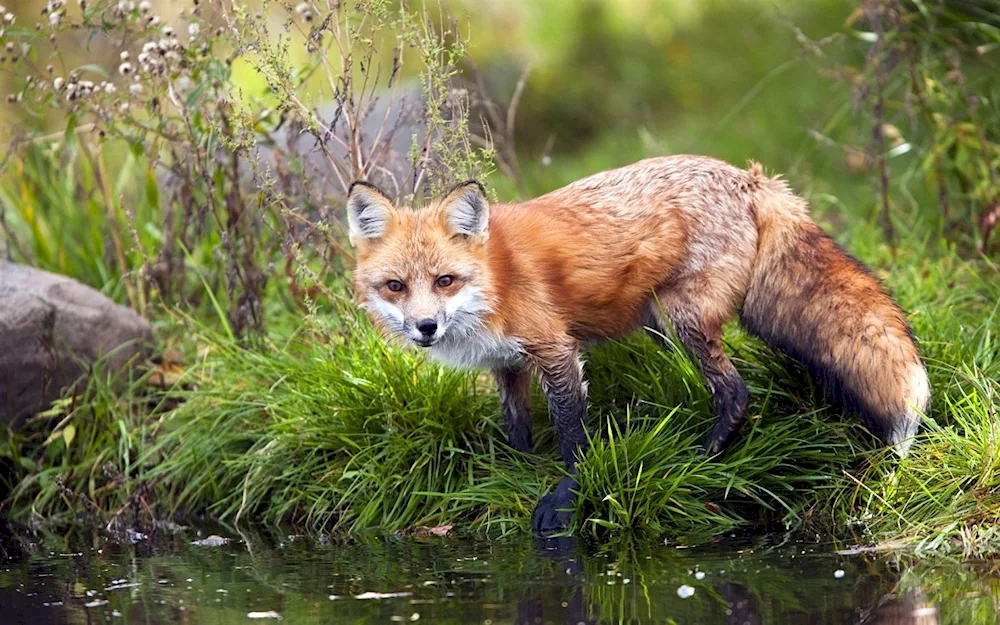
(467, 211)
(369, 212)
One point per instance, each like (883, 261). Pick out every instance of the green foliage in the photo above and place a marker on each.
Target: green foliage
(71, 220)
(333, 432)
(927, 83)
(79, 457)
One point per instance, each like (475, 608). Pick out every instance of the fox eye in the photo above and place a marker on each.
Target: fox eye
(444, 281)
(395, 286)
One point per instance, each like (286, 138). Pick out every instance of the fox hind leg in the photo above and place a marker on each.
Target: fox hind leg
(514, 386)
(701, 334)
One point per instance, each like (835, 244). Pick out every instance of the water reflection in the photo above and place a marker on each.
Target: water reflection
(166, 579)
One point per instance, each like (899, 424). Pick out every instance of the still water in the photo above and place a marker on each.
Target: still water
(183, 578)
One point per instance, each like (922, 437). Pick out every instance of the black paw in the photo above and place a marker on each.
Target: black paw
(719, 439)
(520, 441)
(555, 511)
(710, 447)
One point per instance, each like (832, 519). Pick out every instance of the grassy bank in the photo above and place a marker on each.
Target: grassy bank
(329, 427)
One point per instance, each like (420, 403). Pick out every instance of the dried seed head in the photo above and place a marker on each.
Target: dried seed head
(304, 11)
(124, 55)
(193, 29)
(145, 6)
(9, 47)
(49, 68)
(8, 18)
(58, 83)
(168, 31)
(125, 68)
(155, 20)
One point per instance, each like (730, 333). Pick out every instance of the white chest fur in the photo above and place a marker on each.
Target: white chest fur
(478, 349)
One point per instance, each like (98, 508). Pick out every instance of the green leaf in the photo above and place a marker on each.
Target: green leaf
(69, 434)
(70, 134)
(152, 189)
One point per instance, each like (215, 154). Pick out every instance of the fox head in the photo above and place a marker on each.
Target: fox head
(421, 274)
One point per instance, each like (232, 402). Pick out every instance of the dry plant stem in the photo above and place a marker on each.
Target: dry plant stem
(499, 128)
(988, 217)
(873, 10)
(116, 235)
(917, 85)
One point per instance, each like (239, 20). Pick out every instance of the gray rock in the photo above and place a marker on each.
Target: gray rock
(52, 330)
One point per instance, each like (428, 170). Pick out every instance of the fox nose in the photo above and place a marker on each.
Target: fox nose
(427, 327)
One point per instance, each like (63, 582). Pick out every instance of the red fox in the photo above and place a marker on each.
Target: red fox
(678, 241)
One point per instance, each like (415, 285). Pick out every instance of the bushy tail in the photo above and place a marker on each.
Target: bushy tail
(812, 300)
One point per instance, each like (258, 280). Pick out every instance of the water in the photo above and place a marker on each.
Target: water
(304, 580)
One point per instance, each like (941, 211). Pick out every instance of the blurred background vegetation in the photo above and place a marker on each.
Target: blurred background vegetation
(880, 113)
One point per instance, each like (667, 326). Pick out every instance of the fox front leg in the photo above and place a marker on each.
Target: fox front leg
(514, 386)
(559, 371)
